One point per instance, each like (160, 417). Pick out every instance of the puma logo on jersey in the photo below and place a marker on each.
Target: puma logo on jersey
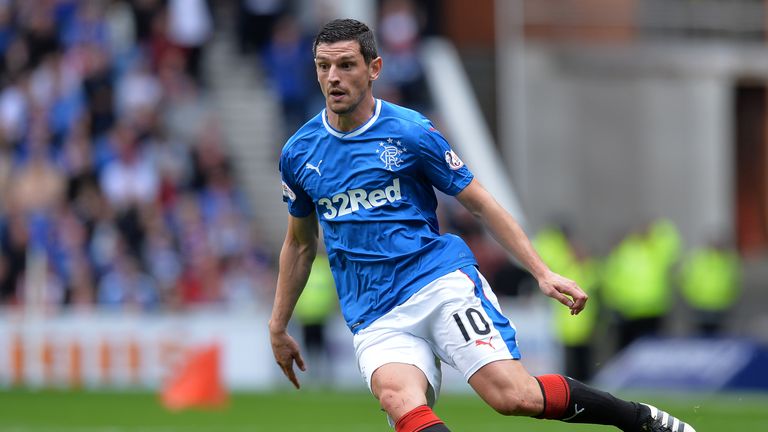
(315, 168)
(354, 199)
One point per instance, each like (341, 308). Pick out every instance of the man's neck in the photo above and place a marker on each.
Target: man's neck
(352, 120)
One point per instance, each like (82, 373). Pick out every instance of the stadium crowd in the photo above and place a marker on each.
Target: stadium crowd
(117, 185)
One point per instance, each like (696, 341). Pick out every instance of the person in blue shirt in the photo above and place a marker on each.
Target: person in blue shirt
(366, 170)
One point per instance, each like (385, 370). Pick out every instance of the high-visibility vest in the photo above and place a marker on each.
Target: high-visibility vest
(318, 300)
(556, 251)
(664, 240)
(710, 279)
(575, 330)
(636, 278)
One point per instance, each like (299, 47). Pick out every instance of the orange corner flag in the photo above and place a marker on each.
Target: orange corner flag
(197, 383)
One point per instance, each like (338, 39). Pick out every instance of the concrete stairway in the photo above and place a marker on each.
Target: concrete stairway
(252, 123)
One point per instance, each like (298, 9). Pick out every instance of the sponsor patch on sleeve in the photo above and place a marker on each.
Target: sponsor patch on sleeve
(453, 161)
(288, 194)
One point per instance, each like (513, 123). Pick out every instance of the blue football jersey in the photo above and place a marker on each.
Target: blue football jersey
(372, 190)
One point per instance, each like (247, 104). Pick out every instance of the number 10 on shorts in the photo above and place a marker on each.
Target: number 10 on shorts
(476, 321)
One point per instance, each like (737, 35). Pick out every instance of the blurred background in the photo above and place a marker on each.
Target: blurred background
(141, 217)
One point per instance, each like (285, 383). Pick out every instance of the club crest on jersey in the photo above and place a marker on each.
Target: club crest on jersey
(288, 194)
(453, 161)
(390, 153)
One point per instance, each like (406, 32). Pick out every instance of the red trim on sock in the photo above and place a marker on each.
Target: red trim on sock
(417, 419)
(557, 396)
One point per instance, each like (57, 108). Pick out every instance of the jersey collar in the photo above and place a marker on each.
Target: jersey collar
(357, 131)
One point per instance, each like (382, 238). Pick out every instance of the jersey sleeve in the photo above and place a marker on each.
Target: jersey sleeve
(444, 169)
(299, 202)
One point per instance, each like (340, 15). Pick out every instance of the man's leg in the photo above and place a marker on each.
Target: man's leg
(401, 390)
(508, 388)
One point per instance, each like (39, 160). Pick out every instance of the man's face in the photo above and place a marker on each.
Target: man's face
(344, 77)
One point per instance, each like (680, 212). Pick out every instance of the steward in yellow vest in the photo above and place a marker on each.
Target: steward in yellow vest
(637, 280)
(710, 282)
(317, 304)
(574, 332)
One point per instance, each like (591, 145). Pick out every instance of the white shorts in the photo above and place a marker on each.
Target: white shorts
(455, 318)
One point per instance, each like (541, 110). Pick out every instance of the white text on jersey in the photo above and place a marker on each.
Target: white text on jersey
(350, 201)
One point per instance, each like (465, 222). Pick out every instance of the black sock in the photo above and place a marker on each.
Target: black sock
(589, 405)
(584, 404)
(436, 428)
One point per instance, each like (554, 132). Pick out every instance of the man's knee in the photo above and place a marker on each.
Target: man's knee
(400, 400)
(399, 388)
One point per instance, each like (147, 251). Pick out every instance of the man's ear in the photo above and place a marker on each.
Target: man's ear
(374, 69)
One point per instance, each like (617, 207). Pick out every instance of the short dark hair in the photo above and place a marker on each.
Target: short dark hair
(347, 29)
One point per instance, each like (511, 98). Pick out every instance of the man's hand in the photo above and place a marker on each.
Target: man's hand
(286, 351)
(565, 291)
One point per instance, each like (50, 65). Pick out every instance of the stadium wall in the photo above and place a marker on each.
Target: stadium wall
(123, 350)
(619, 136)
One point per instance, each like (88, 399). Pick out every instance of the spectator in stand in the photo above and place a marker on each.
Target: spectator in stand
(173, 159)
(14, 239)
(87, 25)
(185, 114)
(98, 88)
(242, 275)
(144, 14)
(199, 280)
(127, 287)
(6, 26)
(122, 188)
(190, 27)
(129, 179)
(290, 71)
(121, 28)
(399, 38)
(69, 258)
(6, 168)
(137, 90)
(38, 27)
(105, 237)
(76, 160)
(255, 20)
(208, 156)
(161, 256)
(39, 185)
(14, 98)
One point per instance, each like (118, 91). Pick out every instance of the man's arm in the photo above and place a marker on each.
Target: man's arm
(296, 257)
(510, 235)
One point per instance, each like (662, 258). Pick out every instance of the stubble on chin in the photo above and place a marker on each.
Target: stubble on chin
(340, 111)
(344, 109)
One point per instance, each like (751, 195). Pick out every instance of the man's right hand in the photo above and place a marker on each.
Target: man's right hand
(565, 291)
(286, 351)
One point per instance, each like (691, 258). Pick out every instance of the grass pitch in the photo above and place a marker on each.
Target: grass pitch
(315, 411)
